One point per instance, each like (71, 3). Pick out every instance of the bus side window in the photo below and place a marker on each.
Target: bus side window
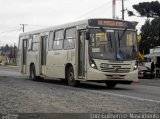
(58, 40)
(69, 41)
(50, 42)
(35, 42)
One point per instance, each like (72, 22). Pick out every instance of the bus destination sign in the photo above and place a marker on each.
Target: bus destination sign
(110, 23)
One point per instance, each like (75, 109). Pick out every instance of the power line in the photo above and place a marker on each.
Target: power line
(10, 31)
(97, 11)
(93, 10)
(38, 25)
(23, 28)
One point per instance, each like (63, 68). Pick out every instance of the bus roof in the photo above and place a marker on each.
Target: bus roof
(67, 25)
(71, 24)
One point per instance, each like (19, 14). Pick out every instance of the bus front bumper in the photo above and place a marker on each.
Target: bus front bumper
(99, 76)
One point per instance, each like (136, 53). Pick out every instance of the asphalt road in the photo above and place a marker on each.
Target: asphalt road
(20, 95)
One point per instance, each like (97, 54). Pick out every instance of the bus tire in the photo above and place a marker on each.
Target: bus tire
(110, 85)
(33, 73)
(70, 77)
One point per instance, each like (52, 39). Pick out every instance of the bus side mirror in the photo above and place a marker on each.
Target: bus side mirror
(87, 35)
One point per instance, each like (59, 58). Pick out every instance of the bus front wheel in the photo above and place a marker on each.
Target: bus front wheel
(110, 85)
(70, 77)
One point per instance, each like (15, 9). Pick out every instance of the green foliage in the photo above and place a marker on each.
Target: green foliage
(147, 9)
(150, 32)
(130, 13)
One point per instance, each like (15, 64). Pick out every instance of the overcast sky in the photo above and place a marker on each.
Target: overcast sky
(45, 13)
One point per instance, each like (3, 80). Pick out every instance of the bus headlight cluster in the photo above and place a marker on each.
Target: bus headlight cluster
(92, 64)
(135, 66)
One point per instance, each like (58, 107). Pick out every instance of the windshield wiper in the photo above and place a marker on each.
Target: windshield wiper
(120, 37)
(110, 39)
(119, 40)
(123, 34)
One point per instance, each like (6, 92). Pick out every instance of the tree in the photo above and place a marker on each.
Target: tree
(150, 31)
(147, 9)
(10, 51)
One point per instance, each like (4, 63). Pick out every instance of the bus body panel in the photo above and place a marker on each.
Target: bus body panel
(56, 63)
(78, 57)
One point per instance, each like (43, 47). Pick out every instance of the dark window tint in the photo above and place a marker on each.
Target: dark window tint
(24, 51)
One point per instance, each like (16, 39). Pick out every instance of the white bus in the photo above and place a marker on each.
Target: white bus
(99, 50)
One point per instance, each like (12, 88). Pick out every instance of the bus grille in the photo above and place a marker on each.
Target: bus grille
(116, 70)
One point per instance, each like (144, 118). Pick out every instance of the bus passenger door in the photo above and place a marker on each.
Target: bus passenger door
(24, 55)
(43, 55)
(81, 55)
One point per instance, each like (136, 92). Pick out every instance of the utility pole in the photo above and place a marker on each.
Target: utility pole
(123, 9)
(114, 9)
(23, 26)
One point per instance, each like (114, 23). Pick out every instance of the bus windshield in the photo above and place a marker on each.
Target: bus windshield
(113, 44)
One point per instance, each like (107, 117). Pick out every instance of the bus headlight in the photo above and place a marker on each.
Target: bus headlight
(92, 64)
(135, 66)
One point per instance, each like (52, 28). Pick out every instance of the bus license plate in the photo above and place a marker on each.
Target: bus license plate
(115, 76)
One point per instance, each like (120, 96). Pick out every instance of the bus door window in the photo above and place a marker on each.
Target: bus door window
(81, 54)
(44, 50)
(30, 43)
(24, 51)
